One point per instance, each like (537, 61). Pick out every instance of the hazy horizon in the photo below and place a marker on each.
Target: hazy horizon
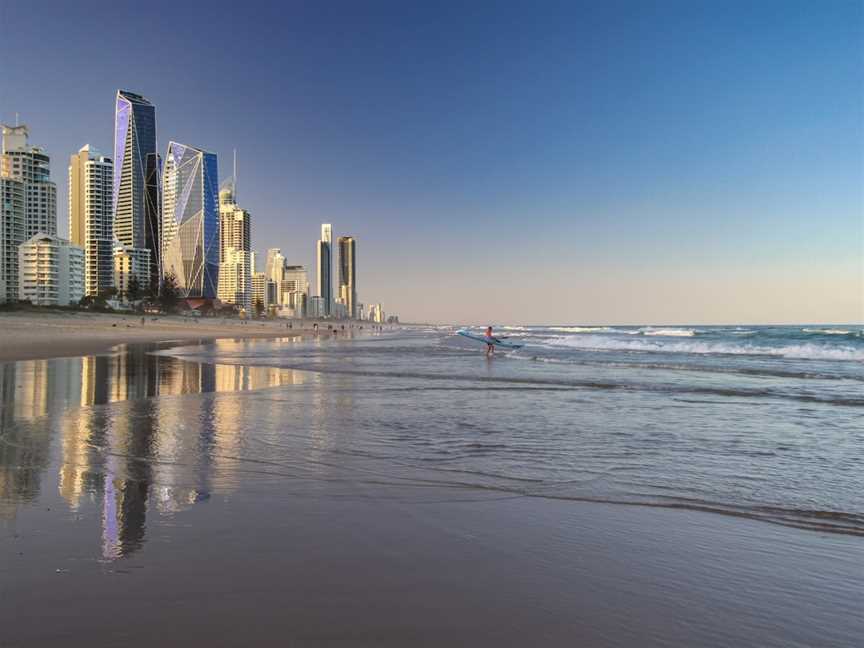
(579, 163)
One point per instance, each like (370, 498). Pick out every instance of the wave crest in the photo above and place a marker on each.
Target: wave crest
(797, 351)
(668, 332)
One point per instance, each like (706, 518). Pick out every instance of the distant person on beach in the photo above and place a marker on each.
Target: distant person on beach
(490, 348)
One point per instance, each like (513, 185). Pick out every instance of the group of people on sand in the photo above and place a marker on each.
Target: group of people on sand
(335, 331)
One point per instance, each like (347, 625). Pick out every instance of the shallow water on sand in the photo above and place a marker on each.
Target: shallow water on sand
(404, 489)
(775, 439)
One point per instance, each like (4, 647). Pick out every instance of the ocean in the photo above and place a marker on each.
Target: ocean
(756, 421)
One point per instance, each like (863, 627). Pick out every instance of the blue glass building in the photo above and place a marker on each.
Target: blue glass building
(190, 220)
(136, 176)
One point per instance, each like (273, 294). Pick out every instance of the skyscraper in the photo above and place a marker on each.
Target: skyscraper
(136, 198)
(324, 267)
(11, 235)
(190, 220)
(348, 274)
(91, 216)
(30, 165)
(275, 266)
(235, 253)
(235, 229)
(29, 200)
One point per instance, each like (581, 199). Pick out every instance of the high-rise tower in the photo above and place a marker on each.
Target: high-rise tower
(28, 200)
(190, 220)
(91, 216)
(235, 229)
(324, 266)
(235, 253)
(136, 197)
(348, 274)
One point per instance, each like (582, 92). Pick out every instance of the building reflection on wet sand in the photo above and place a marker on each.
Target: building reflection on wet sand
(128, 461)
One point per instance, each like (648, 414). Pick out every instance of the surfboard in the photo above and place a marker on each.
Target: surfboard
(490, 340)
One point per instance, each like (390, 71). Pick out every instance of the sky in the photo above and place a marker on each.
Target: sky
(605, 162)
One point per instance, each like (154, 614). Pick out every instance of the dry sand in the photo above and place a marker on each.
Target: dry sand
(26, 335)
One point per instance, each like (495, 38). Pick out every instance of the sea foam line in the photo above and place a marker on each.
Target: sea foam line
(798, 351)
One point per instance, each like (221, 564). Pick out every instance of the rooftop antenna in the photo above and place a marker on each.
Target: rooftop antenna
(16, 119)
(235, 175)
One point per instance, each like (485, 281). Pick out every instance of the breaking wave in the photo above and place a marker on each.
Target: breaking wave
(668, 332)
(831, 331)
(800, 351)
(581, 329)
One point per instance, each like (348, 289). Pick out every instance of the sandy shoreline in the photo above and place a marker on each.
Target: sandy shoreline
(56, 334)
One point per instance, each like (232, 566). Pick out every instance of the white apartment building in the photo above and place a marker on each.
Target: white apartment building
(28, 201)
(294, 280)
(275, 266)
(30, 165)
(50, 271)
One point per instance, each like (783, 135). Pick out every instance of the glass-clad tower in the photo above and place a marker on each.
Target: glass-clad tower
(190, 220)
(136, 176)
(348, 274)
(324, 256)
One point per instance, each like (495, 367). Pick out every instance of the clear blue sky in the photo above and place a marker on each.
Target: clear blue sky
(574, 162)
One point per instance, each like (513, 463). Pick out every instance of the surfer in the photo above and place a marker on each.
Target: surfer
(490, 348)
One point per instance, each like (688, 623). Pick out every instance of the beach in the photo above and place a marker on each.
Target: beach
(399, 488)
(53, 334)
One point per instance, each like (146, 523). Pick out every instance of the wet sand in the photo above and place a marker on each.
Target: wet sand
(53, 334)
(427, 568)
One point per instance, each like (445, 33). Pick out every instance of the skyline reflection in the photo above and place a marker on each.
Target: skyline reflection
(121, 463)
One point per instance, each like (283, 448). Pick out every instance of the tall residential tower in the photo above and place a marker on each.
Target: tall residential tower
(28, 200)
(348, 275)
(235, 253)
(324, 265)
(91, 216)
(136, 198)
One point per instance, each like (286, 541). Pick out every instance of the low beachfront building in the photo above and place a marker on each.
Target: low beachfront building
(50, 271)
(263, 292)
(129, 262)
(316, 307)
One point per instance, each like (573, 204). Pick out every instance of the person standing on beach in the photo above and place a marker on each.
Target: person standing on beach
(490, 348)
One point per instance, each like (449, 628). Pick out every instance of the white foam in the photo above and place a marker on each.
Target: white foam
(827, 331)
(668, 332)
(580, 329)
(800, 351)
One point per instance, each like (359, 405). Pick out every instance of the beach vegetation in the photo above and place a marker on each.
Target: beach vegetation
(133, 289)
(169, 293)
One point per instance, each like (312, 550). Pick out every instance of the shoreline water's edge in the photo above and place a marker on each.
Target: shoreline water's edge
(45, 336)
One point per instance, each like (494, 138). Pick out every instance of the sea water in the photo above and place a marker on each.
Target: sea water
(757, 421)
